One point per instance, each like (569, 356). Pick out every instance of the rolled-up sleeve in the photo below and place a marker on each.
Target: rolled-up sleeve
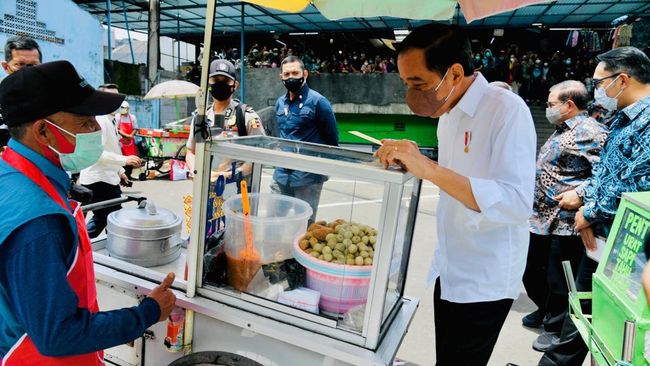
(506, 195)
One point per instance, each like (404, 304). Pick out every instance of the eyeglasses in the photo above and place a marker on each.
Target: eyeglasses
(596, 82)
(553, 104)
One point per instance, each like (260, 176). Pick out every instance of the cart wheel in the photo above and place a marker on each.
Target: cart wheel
(214, 358)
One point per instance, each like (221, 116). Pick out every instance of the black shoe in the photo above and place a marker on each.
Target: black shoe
(544, 341)
(533, 320)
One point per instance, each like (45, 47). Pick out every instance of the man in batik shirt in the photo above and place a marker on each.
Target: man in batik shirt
(621, 82)
(564, 163)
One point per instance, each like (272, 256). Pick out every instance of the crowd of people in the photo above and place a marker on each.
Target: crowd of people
(528, 73)
(531, 74)
(330, 61)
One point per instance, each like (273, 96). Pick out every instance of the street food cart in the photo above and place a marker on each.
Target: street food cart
(618, 330)
(360, 314)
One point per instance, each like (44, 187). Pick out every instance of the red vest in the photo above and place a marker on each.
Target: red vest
(81, 277)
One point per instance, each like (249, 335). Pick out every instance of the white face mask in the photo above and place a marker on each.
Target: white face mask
(554, 116)
(605, 101)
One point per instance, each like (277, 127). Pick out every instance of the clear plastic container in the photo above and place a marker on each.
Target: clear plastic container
(276, 221)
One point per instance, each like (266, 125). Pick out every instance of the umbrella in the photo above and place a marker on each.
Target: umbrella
(173, 89)
(411, 9)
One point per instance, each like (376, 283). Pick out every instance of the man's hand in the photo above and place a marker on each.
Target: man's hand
(568, 200)
(215, 175)
(581, 222)
(124, 181)
(406, 154)
(583, 227)
(164, 296)
(588, 238)
(133, 161)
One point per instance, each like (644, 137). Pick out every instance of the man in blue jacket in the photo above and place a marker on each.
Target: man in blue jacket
(48, 301)
(304, 115)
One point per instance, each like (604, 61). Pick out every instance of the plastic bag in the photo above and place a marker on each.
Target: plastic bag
(178, 170)
(214, 261)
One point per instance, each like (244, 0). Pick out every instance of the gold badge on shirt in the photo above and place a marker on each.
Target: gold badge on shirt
(468, 141)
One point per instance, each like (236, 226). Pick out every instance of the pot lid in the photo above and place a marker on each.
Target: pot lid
(145, 216)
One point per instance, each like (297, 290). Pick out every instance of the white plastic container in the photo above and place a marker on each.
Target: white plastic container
(276, 221)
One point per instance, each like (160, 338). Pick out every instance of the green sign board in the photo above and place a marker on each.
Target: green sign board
(626, 260)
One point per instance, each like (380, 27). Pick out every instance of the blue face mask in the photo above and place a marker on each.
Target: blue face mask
(87, 150)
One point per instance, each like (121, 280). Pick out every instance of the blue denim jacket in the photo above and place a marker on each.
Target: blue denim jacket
(308, 118)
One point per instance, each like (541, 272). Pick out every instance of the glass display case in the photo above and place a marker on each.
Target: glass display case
(321, 239)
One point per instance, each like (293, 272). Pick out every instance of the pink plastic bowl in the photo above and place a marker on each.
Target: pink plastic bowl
(341, 286)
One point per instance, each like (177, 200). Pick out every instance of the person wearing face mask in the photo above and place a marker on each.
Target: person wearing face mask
(622, 83)
(486, 176)
(19, 52)
(127, 127)
(48, 298)
(564, 162)
(303, 114)
(105, 176)
(239, 119)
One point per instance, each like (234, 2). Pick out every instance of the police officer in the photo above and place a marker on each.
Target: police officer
(304, 115)
(240, 119)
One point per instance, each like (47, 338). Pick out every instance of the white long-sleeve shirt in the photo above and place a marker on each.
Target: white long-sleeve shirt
(489, 137)
(109, 166)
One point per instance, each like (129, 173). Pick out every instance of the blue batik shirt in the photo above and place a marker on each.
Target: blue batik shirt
(564, 163)
(624, 165)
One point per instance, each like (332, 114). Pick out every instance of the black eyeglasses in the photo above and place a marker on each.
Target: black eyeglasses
(553, 104)
(596, 82)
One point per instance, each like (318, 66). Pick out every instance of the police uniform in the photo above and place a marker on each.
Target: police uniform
(253, 122)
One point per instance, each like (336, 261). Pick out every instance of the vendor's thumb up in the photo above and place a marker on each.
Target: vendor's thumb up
(164, 296)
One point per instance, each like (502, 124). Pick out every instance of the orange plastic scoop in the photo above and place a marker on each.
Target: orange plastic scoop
(242, 270)
(248, 228)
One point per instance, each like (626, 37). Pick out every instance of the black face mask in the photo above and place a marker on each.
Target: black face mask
(221, 91)
(293, 84)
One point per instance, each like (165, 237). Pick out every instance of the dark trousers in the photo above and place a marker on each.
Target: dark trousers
(535, 280)
(544, 275)
(101, 192)
(571, 350)
(467, 332)
(128, 170)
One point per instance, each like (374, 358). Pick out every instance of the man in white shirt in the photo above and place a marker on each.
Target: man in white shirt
(105, 176)
(486, 175)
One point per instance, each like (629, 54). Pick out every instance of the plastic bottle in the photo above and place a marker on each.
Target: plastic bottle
(175, 330)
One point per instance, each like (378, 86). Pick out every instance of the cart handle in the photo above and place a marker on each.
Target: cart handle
(110, 203)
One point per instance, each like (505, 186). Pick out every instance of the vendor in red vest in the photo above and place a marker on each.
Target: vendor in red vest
(48, 300)
(127, 126)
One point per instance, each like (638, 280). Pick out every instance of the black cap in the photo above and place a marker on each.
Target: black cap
(35, 92)
(223, 67)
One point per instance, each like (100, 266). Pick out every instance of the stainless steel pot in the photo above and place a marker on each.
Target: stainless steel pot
(146, 235)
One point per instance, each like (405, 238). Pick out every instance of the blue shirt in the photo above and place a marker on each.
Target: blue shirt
(38, 240)
(624, 165)
(309, 118)
(564, 163)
